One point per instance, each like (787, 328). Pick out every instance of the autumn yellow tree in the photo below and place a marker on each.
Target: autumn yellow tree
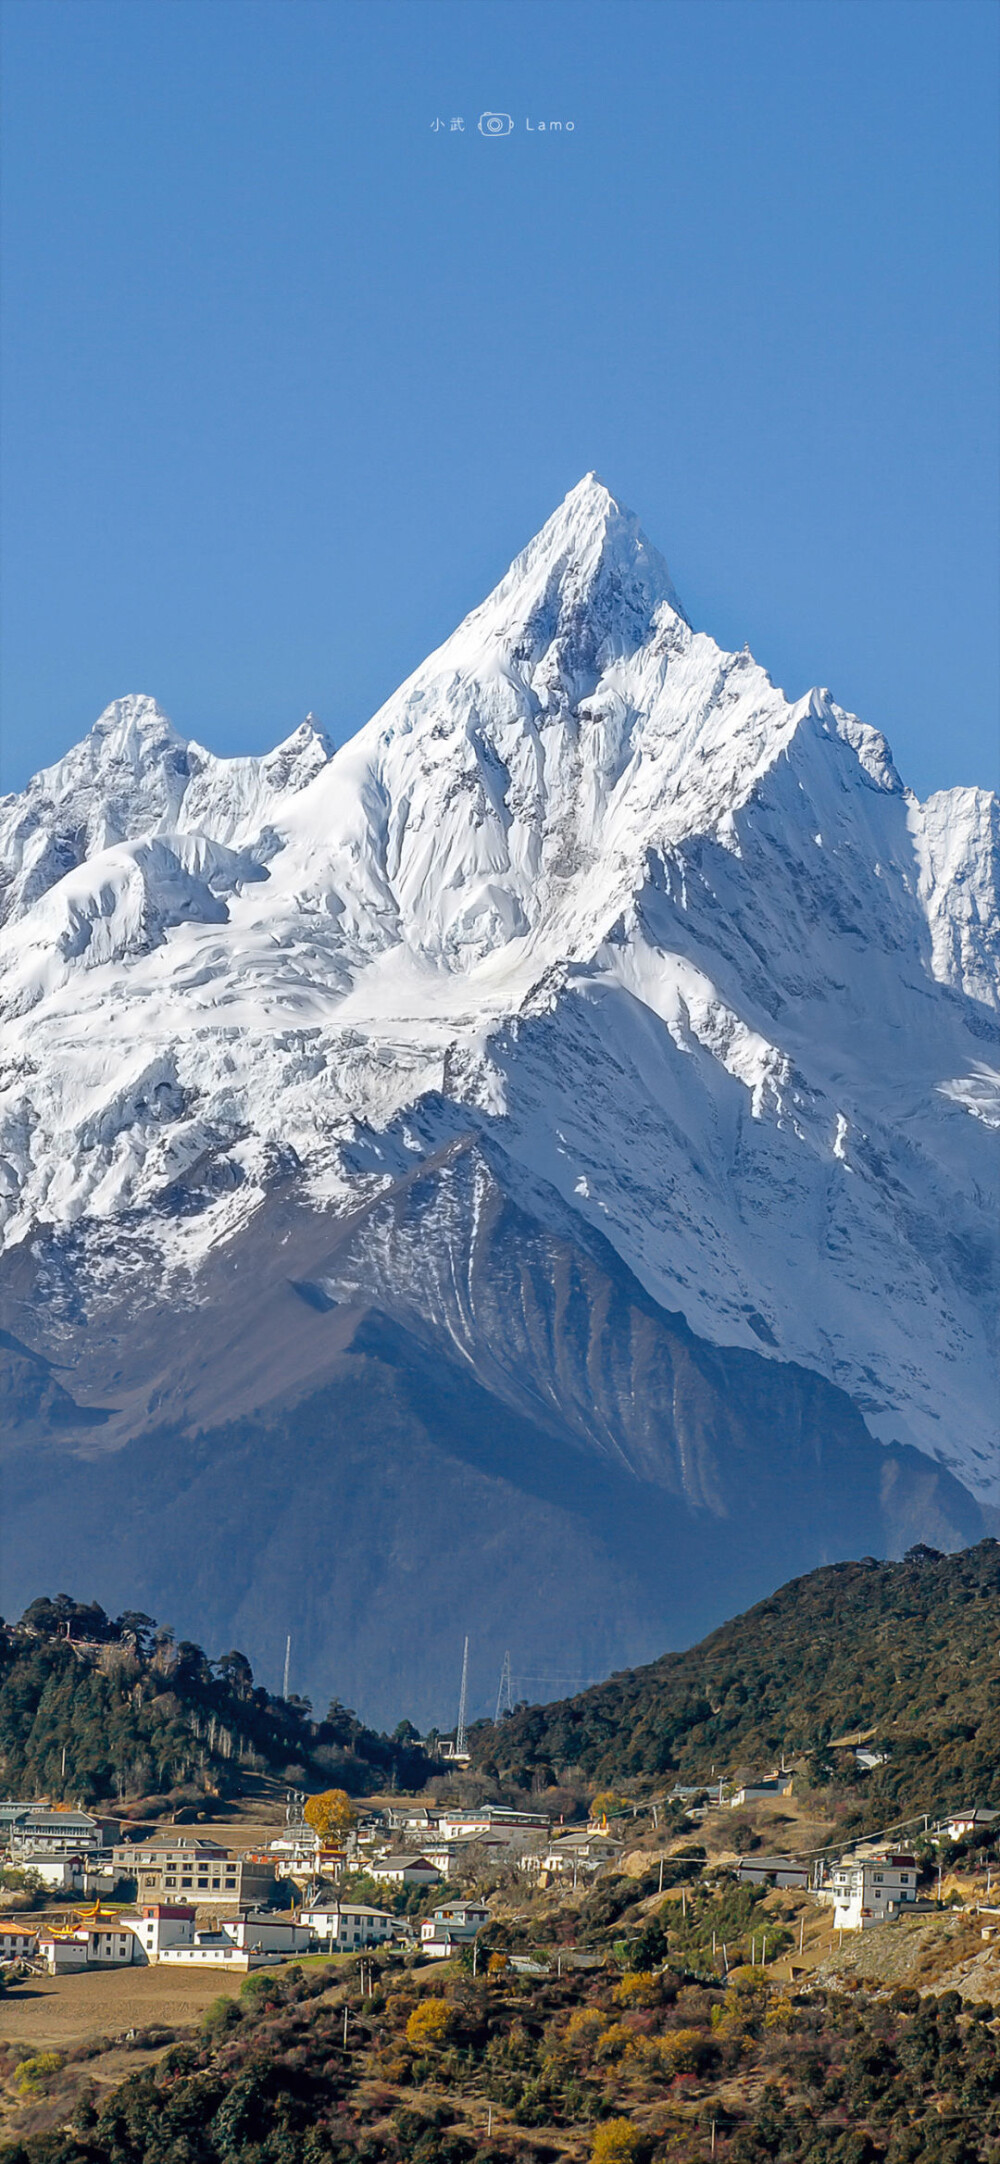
(616, 2141)
(429, 2024)
(639, 1987)
(330, 1813)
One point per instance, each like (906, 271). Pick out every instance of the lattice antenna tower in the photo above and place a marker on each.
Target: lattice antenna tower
(505, 1694)
(460, 1736)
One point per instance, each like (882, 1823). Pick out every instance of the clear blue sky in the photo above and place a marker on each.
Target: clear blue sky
(290, 375)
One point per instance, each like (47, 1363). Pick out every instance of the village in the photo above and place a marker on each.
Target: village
(120, 1896)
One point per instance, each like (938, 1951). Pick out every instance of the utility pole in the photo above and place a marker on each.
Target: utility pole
(660, 1886)
(288, 1663)
(345, 2028)
(802, 1929)
(460, 1736)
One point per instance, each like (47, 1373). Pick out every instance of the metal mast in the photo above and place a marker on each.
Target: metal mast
(460, 1737)
(288, 1663)
(505, 1694)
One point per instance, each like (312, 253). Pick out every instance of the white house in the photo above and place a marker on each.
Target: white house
(98, 1942)
(495, 1822)
(216, 1950)
(575, 1854)
(349, 1924)
(451, 1857)
(972, 1820)
(405, 1870)
(866, 1890)
(158, 1925)
(451, 1927)
(269, 1934)
(16, 1944)
(83, 1873)
(772, 1871)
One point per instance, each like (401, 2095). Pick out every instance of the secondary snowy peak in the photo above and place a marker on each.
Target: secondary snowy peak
(133, 775)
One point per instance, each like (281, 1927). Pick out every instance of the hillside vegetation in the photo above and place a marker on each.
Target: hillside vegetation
(636, 2068)
(92, 1709)
(910, 1649)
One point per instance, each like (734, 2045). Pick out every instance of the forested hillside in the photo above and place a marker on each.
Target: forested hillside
(92, 1709)
(910, 1649)
(329, 2067)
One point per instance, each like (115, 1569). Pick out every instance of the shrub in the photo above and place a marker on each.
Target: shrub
(584, 2029)
(616, 2141)
(638, 1988)
(429, 2024)
(616, 2041)
(221, 2015)
(684, 2051)
(34, 2074)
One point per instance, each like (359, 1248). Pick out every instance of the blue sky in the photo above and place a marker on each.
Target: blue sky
(290, 374)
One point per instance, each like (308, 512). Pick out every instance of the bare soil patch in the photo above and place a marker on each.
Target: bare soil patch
(56, 2012)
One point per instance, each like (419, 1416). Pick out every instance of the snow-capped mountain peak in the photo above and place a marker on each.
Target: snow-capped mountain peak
(588, 586)
(686, 950)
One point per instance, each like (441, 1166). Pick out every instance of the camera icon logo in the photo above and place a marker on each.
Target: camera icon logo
(495, 124)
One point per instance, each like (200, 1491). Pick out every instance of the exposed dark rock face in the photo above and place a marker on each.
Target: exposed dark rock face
(436, 1416)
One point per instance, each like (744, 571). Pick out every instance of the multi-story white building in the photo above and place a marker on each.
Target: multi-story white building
(173, 1868)
(866, 1890)
(349, 1924)
(158, 1925)
(97, 1942)
(45, 1831)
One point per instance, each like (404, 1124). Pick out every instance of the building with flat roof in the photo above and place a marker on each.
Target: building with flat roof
(178, 1867)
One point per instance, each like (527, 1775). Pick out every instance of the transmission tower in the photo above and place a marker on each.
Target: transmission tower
(460, 1736)
(505, 1694)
